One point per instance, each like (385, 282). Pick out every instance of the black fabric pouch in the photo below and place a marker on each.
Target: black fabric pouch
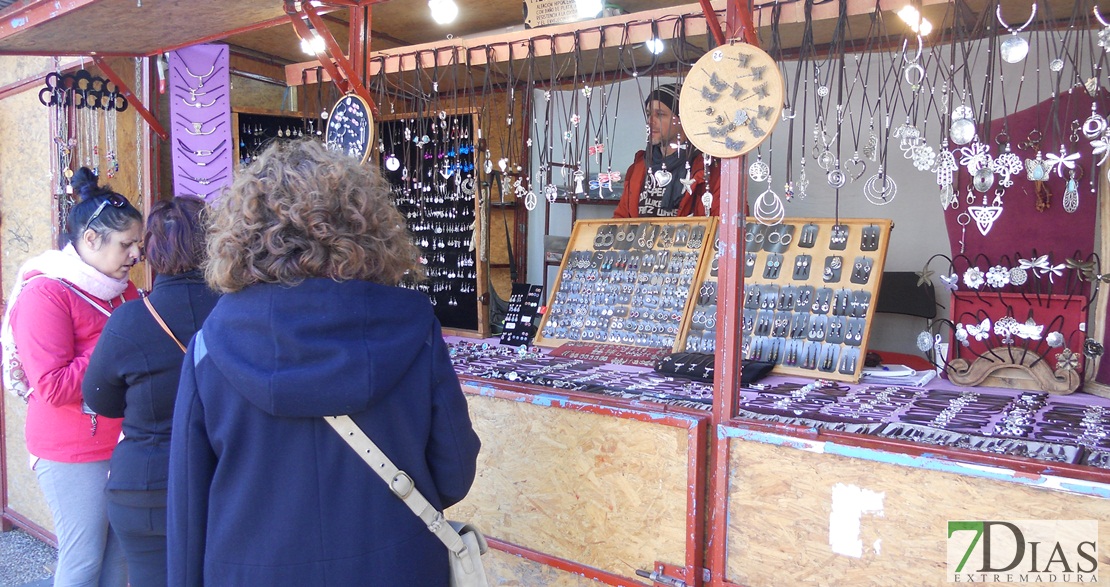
(700, 366)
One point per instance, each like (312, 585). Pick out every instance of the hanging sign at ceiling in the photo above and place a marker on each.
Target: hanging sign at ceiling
(539, 13)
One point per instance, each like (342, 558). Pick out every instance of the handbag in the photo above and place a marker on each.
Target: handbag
(465, 543)
(13, 375)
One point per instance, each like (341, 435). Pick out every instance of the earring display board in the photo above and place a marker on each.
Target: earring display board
(809, 290)
(429, 161)
(626, 281)
(699, 333)
(350, 128)
(520, 318)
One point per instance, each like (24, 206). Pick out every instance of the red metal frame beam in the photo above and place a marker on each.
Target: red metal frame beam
(21, 85)
(738, 17)
(354, 84)
(132, 98)
(714, 26)
(563, 564)
(333, 72)
(222, 35)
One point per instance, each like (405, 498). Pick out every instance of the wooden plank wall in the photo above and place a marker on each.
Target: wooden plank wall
(26, 219)
(603, 491)
(781, 500)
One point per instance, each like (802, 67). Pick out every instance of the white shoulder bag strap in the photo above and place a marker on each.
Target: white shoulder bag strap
(399, 482)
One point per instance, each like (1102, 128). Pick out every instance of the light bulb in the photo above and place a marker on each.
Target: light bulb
(589, 8)
(443, 11)
(655, 45)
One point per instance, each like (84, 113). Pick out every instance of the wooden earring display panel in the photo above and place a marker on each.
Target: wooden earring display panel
(699, 332)
(810, 287)
(626, 281)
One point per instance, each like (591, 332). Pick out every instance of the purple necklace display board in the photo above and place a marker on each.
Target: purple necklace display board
(200, 109)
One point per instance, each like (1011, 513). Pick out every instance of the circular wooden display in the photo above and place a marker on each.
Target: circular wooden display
(350, 127)
(731, 100)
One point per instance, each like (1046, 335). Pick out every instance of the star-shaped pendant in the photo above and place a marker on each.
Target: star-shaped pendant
(925, 276)
(687, 183)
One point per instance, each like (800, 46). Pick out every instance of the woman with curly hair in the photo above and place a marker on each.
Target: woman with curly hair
(309, 249)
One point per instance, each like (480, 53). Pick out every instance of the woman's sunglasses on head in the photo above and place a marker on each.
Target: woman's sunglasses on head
(116, 201)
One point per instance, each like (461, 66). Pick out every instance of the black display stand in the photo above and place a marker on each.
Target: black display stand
(521, 319)
(429, 161)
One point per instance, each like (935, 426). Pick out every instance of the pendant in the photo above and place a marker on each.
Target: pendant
(687, 183)
(948, 198)
(1036, 169)
(1070, 202)
(1056, 65)
(707, 202)
(769, 209)
(1006, 166)
(662, 177)
(759, 170)
(392, 163)
(924, 157)
(550, 192)
(530, 201)
(983, 179)
(984, 216)
(880, 188)
(855, 167)
(946, 167)
(961, 131)
(1014, 49)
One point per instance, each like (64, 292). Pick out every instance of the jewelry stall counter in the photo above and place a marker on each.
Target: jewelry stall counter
(864, 478)
(574, 466)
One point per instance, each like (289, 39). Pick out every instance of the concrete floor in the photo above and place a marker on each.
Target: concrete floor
(25, 561)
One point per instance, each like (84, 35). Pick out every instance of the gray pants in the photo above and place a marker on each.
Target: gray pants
(89, 554)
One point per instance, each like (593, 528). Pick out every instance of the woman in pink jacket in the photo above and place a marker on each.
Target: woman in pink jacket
(58, 308)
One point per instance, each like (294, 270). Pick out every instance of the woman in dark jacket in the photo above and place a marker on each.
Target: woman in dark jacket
(134, 373)
(308, 249)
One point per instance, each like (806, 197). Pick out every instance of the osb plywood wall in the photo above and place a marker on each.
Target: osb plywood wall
(603, 491)
(26, 215)
(13, 69)
(781, 500)
(507, 570)
(253, 94)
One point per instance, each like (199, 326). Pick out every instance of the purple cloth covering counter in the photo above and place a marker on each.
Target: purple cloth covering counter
(1071, 428)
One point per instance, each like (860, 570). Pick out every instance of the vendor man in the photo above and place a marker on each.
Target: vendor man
(669, 178)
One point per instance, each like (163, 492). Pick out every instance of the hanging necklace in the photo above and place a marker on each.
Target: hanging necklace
(1015, 47)
(111, 142)
(211, 69)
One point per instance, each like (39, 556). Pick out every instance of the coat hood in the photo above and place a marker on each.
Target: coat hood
(318, 348)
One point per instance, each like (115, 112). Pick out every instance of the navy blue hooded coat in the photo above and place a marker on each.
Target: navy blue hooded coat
(262, 490)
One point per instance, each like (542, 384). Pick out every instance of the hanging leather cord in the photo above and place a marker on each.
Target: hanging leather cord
(494, 179)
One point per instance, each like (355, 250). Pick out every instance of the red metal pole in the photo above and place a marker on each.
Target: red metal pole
(132, 98)
(730, 339)
(711, 19)
(353, 83)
